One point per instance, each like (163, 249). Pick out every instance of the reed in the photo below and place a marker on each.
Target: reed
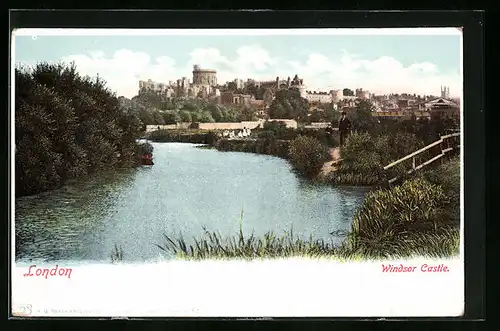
(212, 245)
(116, 254)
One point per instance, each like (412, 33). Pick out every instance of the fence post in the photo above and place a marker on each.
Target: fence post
(413, 161)
(441, 145)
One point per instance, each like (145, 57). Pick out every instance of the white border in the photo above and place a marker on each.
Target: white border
(239, 32)
(427, 289)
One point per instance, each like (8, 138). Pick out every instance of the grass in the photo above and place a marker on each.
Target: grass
(356, 247)
(116, 254)
(271, 246)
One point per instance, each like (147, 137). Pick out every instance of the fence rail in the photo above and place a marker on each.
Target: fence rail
(447, 143)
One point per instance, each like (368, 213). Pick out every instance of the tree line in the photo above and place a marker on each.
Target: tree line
(153, 110)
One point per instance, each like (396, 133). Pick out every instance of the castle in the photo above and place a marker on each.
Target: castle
(203, 85)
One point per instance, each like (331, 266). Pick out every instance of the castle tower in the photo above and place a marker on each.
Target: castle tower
(445, 92)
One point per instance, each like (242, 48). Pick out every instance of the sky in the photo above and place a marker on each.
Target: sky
(381, 63)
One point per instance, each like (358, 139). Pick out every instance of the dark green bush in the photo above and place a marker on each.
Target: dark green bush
(269, 146)
(67, 126)
(364, 156)
(183, 136)
(308, 155)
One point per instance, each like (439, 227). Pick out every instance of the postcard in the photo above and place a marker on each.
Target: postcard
(237, 173)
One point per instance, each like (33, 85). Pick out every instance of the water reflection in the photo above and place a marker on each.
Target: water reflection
(186, 189)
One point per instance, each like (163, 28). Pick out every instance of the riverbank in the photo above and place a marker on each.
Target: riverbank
(192, 136)
(265, 146)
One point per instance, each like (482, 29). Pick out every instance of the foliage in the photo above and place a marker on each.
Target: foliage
(308, 155)
(403, 216)
(281, 132)
(212, 245)
(363, 119)
(447, 176)
(153, 110)
(324, 114)
(347, 92)
(67, 126)
(426, 130)
(364, 156)
(184, 136)
(288, 104)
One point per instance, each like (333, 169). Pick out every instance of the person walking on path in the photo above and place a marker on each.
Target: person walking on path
(344, 128)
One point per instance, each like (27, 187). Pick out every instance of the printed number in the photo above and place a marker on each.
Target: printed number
(23, 310)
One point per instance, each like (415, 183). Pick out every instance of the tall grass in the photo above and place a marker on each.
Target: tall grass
(410, 217)
(116, 254)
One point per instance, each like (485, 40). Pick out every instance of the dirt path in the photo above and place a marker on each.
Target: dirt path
(330, 165)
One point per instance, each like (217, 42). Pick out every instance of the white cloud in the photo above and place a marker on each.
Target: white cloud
(123, 69)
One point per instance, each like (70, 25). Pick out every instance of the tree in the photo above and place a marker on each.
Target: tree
(68, 126)
(363, 120)
(288, 104)
(347, 92)
(248, 114)
(171, 117)
(185, 116)
(308, 155)
(231, 86)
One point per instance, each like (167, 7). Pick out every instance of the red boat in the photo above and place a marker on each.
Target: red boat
(147, 159)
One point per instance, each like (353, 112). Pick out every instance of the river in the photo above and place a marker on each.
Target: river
(186, 189)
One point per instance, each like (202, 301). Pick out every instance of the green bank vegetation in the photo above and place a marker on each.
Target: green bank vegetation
(364, 155)
(67, 127)
(152, 109)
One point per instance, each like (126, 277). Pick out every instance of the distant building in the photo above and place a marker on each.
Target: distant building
(442, 108)
(361, 94)
(402, 114)
(323, 97)
(231, 98)
(203, 85)
(445, 92)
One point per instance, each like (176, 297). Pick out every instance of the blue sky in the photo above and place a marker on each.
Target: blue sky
(380, 63)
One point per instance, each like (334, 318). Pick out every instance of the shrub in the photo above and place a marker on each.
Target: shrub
(401, 216)
(269, 146)
(67, 126)
(364, 156)
(308, 155)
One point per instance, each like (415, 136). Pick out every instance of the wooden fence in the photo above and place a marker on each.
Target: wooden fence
(448, 144)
